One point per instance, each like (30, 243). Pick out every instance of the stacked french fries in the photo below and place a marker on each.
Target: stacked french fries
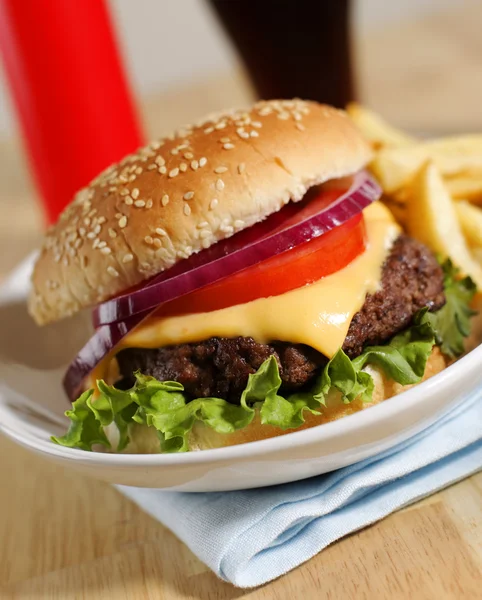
(433, 187)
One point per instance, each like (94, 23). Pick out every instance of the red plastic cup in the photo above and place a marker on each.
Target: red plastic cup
(70, 91)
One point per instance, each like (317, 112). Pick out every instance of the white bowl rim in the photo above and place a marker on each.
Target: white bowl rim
(344, 426)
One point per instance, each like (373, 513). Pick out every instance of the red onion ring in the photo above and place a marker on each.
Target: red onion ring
(362, 193)
(268, 238)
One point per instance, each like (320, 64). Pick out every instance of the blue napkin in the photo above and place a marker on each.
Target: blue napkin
(253, 536)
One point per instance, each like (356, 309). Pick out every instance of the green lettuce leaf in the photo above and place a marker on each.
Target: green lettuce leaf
(85, 429)
(164, 406)
(452, 322)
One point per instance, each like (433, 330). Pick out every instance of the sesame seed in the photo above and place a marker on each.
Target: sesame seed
(183, 167)
(228, 146)
(174, 172)
(97, 229)
(138, 171)
(187, 210)
(101, 220)
(225, 140)
(112, 271)
(159, 160)
(165, 200)
(188, 155)
(297, 116)
(112, 233)
(220, 185)
(300, 126)
(118, 215)
(214, 202)
(256, 124)
(174, 151)
(96, 243)
(132, 177)
(194, 165)
(155, 145)
(209, 130)
(239, 223)
(183, 146)
(241, 168)
(127, 258)
(254, 133)
(188, 196)
(135, 193)
(149, 203)
(160, 252)
(206, 243)
(220, 170)
(129, 201)
(160, 232)
(220, 125)
(106, 250)
(81, 231)
(123, 222)
(204, 234)
(101, 244)
(78, 243)
(203, 161)
(148, 239)
(139, 203)
(157, 243)
(151, 167)
(162, 170)
(87, 221)
(202, 224)
(283, 116)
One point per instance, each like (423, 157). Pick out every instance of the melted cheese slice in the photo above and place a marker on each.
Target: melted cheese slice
(318, 315)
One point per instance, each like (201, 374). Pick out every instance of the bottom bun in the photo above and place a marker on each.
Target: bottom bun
(144, 439)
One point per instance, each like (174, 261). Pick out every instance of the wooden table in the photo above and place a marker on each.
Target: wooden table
(63, 536)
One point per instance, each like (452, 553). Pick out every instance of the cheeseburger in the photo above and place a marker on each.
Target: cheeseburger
(245, 283)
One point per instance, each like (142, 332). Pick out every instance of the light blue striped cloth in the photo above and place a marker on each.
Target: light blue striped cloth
(253, 536)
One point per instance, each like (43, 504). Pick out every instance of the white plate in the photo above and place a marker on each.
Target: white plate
(32, 404)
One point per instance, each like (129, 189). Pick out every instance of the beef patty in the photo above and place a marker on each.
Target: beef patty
(219, 367)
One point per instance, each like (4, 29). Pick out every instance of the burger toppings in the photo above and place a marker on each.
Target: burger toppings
(280, 233)
(294, 268)
(411, 279)
(165, 405)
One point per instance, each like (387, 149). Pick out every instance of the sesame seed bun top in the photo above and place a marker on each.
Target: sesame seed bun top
(183, 193)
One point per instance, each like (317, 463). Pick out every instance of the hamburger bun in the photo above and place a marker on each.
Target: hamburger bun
(183, 193)
(144, 439)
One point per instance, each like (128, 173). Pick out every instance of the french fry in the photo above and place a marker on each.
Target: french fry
(470, 219)
(432, 218)
(395, 168)
(376, 129)
(467, 186)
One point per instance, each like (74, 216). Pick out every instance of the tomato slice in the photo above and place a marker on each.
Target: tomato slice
(302, 265)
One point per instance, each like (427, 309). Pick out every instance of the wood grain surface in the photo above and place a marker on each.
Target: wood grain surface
(63, 536)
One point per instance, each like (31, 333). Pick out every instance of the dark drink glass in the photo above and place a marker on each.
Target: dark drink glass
(293, 48)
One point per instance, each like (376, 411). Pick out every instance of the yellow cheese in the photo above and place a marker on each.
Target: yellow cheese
(318, 315)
